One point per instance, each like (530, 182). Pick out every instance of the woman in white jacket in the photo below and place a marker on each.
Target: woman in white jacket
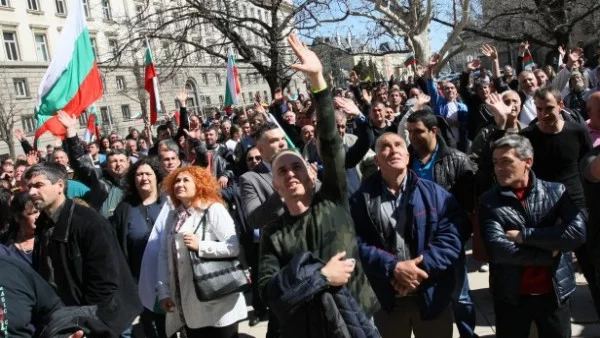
(194, 191)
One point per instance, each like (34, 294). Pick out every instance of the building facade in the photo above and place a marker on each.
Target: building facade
(30, 36)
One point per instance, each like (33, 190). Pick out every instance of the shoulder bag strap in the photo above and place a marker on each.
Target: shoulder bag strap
(202, 220)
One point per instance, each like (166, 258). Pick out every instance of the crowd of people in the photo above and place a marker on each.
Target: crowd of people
(351, 208)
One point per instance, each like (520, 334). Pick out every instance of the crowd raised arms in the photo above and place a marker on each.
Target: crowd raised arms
(347, 208)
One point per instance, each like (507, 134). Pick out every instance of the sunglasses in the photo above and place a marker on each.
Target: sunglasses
(254, 158)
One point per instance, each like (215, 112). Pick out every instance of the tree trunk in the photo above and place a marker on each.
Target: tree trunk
(11, 145)
(421, 46)
(141, 91)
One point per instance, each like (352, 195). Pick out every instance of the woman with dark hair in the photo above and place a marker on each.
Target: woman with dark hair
(104, 145)
(133, 220)
(20, 237)
(5, 197)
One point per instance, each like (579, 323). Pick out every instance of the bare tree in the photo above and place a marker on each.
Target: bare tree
(196, 31)
(10, 112)
(411, 20)
(543, 23)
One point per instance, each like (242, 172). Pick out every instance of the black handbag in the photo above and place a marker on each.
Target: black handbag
(217, 277)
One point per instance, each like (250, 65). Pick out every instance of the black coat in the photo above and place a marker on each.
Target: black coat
(80, 257)
(549, 221)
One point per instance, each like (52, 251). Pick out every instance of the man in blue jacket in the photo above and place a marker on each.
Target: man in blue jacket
(408, 233)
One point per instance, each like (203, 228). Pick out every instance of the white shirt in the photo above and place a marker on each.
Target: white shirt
(528, 112)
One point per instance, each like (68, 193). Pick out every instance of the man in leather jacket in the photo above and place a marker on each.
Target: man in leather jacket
(530, 228)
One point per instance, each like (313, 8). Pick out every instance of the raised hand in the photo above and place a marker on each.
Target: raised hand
(309, 61)
(193, 134)
(473, 65)
(32, 158)
(66, 119)
(562, 51)
(257, 97)
(182, 97)
(500, 110)
(259, 108)
(330, 78)
(434, 60)
(523, 47)
(489, 51)
(354, 80)
(19, 134)
(422, 99)
(575, 54)
(347, 106)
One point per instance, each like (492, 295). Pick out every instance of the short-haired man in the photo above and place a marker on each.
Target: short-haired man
(409, 238)
(432, 159)
(77, 252)
(528, 86)
(315, 224)
(530, 227)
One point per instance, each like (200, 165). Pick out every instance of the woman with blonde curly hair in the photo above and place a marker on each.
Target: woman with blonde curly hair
(194, 192)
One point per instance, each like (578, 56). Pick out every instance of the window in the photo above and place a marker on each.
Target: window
(207, 100)
(94, 48)
(175, 80)
(41, 47)
(218, 78)
(29, 125)
(249, 78)
(106, 11)
(112, 46)
(221, 99)
(86, 8)
(204, 78)
(139, 10)
(256, 78)
(126, 112)
(11, 46)
(61, 8)
(21, 89)
(4, 3)
(243, 97)
(83, 119)
(265, 96)
(33, 5)
(120, 83)
(250, 96)
(105, 113)
(241, 78)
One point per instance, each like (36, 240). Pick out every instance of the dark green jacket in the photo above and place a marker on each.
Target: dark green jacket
(326, 228)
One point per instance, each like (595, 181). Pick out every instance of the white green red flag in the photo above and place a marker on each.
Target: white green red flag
(232, 86)
(528, 61)
(151, 85)
(92, 131)
(410, 60)
(72, 82)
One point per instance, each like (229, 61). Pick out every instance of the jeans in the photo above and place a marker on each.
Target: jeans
(462, 305)
(552, 319)
(230, 331)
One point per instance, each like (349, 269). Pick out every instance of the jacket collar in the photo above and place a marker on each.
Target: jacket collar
(62, 226)
(442, 150)
(533, 184)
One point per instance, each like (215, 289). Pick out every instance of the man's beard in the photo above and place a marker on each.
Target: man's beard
(578, 88)
(39, 204)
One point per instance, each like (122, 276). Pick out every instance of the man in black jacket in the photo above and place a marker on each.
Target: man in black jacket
(77, 251)
(431, 159)
(530, 228)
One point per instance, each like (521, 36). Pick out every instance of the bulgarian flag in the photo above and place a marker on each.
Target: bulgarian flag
(410, 60)
(92, 131)
(232, 86)
(528, 61)
(152, 85)
(72, 82)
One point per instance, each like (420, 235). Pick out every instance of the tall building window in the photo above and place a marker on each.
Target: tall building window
(94, 48)
(21, 89)
(126, 112)
(221, 100)
(112, 46)
(83, 119)
(207, 100)
(61, 8)
(4, 3)
(204, 78)
(33, 5)
(29, 125)
(106, 11)
(218, 78)
(11, 46)
(41, 47)
(86, 8)
(105, 113)
(121, 83)
(243, 97)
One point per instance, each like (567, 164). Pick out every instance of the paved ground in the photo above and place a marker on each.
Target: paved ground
(584, 320)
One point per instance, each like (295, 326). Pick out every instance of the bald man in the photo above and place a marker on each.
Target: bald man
(593, 124)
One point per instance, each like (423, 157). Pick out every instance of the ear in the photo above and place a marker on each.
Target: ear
(529, 162)
(561, 104)
(435, 130)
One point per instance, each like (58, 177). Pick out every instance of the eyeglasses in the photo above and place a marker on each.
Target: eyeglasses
(254, 158)
(341, 126)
